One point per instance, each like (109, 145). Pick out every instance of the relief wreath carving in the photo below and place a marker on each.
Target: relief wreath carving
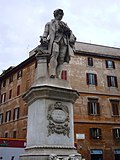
(58, 117)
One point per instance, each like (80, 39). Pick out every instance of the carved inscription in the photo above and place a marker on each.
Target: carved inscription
(58, 117)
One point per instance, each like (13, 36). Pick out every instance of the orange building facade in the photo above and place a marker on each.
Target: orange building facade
(94, 73)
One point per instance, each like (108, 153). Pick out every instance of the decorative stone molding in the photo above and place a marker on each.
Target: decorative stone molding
(50, 146)
(70, 157)
(51, 92)
(58, 117)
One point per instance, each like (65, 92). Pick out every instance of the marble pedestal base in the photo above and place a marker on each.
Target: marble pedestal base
(50, 128)
(43, 153)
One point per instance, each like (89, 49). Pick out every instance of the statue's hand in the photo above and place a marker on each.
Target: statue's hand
(72, 40)
(43, 40)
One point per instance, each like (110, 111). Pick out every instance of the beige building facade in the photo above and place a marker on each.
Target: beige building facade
(94, 73)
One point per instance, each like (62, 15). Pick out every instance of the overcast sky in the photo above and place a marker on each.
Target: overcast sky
(22, 22)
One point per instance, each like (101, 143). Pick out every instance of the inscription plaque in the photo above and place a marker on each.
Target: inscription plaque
(58, 117)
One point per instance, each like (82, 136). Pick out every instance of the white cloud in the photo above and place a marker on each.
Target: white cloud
(22, 22)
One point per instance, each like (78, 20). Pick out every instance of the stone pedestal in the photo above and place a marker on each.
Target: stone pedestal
(50, 127)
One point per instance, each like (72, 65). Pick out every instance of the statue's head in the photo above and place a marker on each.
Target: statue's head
(58, 14)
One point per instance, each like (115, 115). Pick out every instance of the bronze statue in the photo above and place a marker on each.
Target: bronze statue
(59, 40)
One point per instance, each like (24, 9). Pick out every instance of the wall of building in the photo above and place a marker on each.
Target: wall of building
(24, 81)
(77, 76)
(106, 121)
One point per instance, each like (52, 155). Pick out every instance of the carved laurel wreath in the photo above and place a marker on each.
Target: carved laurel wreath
(58, 125)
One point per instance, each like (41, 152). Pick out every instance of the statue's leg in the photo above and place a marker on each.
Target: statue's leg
(53, 60)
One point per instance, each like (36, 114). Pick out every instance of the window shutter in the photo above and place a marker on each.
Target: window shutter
(1, 97)
(90, 61)
(106, 62)
(18, 113)
(4, 97)
(10, 79)
(9, 115)
(87, 78)
(1, 118)
(89, 108)
(113, 64)
(6, 135)
(4, 83)
(94, 133)
(14, 134)
(18, 90)
(108, 81)
(10, 94)
(64, 75)
(6, 117)
(19, 74)
(100, 133)
(14, 114)
(115, 109)
(116, 84)
(91, 133)
(114, 133)
(98, 108)
(96, 79)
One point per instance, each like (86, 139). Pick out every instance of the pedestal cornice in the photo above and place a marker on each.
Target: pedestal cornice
(50, 92)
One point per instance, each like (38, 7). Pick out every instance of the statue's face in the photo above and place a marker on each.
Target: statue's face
(59, 16)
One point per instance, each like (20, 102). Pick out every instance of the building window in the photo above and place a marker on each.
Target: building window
(14, 134)
(117, 154)
(8, 116)
(110, 64)
(95, 133)
(115, 107)
(19, 74)
(16, 114)
(112, 81)
(96, 154)
(64, 75)
(116, 133)
(93, 107)
(18, 90)
(1, 118)
(10, 79)
(4, 83)
(10, 94)
(91, 79)
(3, 97)
(90, 61)
(6, 134)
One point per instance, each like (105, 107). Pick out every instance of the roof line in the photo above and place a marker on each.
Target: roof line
(98, 45)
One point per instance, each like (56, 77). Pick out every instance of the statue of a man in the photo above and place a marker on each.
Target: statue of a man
(60, 40)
